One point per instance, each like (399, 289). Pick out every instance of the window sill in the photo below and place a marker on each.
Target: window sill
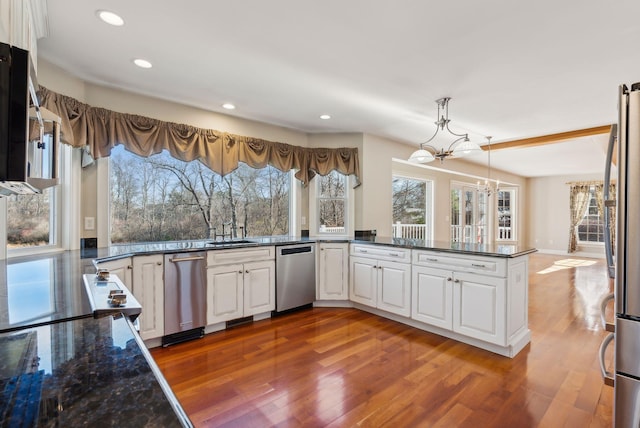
(32, 251)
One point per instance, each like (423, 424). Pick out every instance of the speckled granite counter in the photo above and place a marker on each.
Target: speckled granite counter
(491, 250)
(83, 372)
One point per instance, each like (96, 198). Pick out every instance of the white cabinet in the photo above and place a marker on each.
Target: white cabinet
(432, 295)
(240, 290)
(122, 268)
(377, 282)
(483, 298)
(462, 302)
(148, 289)
(333, 271)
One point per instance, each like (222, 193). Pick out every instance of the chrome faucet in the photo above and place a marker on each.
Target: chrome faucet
(223, 234)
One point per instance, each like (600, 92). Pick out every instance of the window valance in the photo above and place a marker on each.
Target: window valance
(102, 129)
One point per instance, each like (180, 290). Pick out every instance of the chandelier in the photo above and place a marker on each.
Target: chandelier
(460, 147)
(488, 188)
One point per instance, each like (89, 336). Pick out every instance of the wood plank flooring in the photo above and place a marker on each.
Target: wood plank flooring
(343, 367)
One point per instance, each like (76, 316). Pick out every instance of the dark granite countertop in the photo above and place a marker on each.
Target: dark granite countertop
(83, 372)
(491, 250)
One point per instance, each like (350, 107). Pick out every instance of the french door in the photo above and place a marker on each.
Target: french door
(469, 214)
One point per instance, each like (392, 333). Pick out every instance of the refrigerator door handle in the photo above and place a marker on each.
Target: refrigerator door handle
(608, 377)
(603, 309)
(608, 202)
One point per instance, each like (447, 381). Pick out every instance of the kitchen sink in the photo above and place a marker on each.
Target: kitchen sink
(231, 243)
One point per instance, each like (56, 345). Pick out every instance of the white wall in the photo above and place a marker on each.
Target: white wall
(549, 214)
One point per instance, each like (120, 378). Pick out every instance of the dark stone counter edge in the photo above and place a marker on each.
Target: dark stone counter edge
(120, 251)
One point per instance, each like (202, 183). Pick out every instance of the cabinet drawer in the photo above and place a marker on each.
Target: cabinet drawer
(240, 255)
(380, 252)
(461, 263)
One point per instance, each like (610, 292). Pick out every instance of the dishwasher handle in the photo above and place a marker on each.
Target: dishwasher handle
(296, 250)
(186, 259)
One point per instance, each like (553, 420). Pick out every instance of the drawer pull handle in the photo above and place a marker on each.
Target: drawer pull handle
(431, 260)
(362, 251)
(394, 254)
(478, 265)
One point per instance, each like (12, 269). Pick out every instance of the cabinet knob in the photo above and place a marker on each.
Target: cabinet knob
(449, 279)
(457, 281)
(129, 267)
(246, 271)
(240, 272)
(159, 263)
(379, 267)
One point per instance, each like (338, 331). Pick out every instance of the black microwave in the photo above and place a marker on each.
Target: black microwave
(28, 142)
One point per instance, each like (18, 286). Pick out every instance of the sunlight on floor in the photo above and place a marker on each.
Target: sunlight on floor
(566, 264)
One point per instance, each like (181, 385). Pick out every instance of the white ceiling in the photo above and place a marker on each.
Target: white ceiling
(513, 69)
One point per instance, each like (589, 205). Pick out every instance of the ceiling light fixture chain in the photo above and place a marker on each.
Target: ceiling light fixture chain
(461, 146)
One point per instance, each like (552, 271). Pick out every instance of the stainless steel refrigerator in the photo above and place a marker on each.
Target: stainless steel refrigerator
(626, 379)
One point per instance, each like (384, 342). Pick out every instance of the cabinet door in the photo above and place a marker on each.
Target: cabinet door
(333, 272)
(148, 288)
(432, 291)
(479, 307)
(122, 269)
(224, 293)
(363, 275)
(259, 287)
(394, 287)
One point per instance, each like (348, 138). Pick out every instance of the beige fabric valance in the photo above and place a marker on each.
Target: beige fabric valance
(102, 129)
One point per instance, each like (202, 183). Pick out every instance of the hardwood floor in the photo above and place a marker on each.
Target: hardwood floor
(344, 367)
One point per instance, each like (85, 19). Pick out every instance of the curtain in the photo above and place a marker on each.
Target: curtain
(101, 130)
(578, 204)
(599, 190)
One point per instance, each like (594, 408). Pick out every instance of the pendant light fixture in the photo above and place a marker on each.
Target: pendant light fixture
(461, 145)
(488, 187)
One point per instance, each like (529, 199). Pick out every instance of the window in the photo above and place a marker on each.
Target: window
(506, 199)
(591, 228)
(412, 208)
(31, 220)
(161, 198)
(332, 202)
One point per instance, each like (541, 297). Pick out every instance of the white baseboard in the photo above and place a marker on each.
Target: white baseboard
(587, 254)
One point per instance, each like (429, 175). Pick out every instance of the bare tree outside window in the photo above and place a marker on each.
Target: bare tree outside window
(161, 198)
(29, 220)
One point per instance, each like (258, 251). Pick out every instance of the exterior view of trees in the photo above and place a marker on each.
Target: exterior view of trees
(409, 200)
(161, 198)
(28, 219)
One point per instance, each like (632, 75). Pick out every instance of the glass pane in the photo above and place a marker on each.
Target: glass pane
(332, 185)
(409, 201)
(160, 198)
(332, 213)
(29, 220)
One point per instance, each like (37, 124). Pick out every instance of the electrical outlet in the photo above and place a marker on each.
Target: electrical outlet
(89, 223)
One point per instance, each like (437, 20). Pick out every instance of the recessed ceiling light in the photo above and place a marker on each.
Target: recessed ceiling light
(110, 18)
(142, 63)
(228, 106)
(325, 117)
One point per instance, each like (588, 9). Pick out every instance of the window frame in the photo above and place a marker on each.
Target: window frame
(429, 201)
(592, 198)
(66, 201)
(314, 209)
(514, 214)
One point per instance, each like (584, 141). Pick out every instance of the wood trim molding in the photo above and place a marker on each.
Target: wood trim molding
(549, 139)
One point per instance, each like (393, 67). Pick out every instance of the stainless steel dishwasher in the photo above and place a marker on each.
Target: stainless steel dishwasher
(295, 276)
(185, 305)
